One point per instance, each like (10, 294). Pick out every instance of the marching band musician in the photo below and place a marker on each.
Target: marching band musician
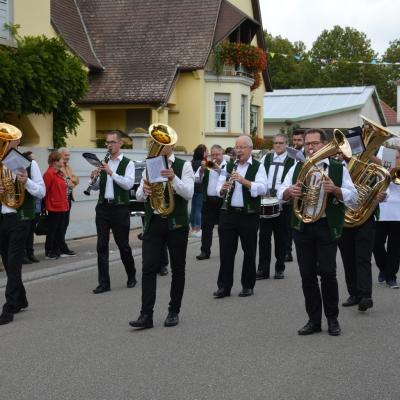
(388, 233)
(14, 228)
(316, 242)
(241, 217)
(277, 165)
(112, 212)
(212, 202)
(171, 230)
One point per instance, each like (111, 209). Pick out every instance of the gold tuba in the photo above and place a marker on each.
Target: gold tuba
(13, 195)
(161, 135)
(369, 178)
(309, 208)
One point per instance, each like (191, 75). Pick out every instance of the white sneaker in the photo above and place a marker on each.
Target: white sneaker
(197, 234)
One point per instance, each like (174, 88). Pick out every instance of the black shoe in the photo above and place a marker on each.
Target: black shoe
(365, 303)
(21, 306)
(163, 271)
(33, 258)
(131, 283)
(351, 301)
(68, 253)
(52, 256)
(288, 258)
(6, 317)
(220, 293)
(334, 327)
(203, 256)
(26, 260)
(145, 321)
(279, 275)
(101, 289)
(246, 292)
(172, 319)
(309, 328)
(260, 274)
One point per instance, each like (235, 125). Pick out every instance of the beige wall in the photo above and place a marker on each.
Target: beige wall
(187, 116)
(244, 5)
(86, 132)
(34, 17)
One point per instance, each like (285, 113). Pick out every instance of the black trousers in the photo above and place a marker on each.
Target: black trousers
(316, 255)
(30, 236)
(233, 226)
(12, 245)
(117, 219)
(154, 239)
(209, 218)
(387, 259)
(55, 233)
(287, 214)
(269, 226)
(356, 246)
(62, 245)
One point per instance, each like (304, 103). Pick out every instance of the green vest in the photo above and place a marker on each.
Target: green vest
(251, 204)
(334, 209)
(287, 164)
(27, 210)
(179, 218)
(121, 196)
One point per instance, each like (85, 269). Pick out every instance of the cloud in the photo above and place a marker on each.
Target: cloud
(305, 19)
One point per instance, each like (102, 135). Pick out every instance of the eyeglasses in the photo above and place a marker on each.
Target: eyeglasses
(111, 142)
(311, 144)
(241, 147)
(279, 142)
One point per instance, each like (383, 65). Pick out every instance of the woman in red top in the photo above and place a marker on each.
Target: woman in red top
(56, 204)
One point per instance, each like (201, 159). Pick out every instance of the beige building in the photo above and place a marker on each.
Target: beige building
(150, 62)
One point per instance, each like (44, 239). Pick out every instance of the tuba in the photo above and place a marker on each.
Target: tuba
(14, 192)
(161, 135)
(309, 208)
(369, 178)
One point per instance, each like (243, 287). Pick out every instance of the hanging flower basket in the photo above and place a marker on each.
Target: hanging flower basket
(251, 57)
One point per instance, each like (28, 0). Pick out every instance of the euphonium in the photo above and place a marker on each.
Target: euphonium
(13, 195)
(369, 178)
(309, 208)
(161, 135)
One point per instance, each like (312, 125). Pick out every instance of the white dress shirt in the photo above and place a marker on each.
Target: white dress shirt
(124, 181)
(34, 185)
(212, 179)
(258, 187)
(183, 187)
(389, 210)
(349, 192)
(277, 158)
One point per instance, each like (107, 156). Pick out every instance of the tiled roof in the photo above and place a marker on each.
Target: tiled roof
(141, 44)
(390, 114)
(68, 23)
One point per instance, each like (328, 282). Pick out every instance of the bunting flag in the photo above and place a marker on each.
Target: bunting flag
(298, 58)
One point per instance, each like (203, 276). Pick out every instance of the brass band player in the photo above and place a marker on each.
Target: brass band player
(316, 240)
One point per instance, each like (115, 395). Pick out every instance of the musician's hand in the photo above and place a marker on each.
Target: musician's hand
(381, 196)
(106, 168)
(94, 173)
(237, 177)
(328, 185)
(22, 175)
(294, 191)
(203, 165)
(168, 173)
(147, 188)
(225, 187)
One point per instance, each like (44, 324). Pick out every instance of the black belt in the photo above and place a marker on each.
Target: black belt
(112, 202)
(8, 215)
(237, 209)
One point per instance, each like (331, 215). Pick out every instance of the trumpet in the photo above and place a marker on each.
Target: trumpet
(94, 180)
(229, 192)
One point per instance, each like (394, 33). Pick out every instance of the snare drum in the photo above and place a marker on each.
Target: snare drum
(270, 207)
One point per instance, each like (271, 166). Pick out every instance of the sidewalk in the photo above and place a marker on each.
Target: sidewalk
(86, 257)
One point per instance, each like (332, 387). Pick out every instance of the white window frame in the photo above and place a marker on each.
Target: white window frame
(254, 110)
(243, 113)
(6, 17)
(221, 112)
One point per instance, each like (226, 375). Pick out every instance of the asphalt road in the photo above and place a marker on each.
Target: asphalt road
(72, 344)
